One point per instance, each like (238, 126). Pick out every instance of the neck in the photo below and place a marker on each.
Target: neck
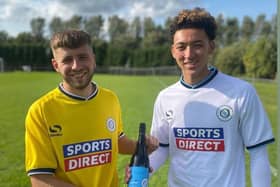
(82, 92)
(192, 79)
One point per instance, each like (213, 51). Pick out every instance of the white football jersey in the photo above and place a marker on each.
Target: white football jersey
(207, 128)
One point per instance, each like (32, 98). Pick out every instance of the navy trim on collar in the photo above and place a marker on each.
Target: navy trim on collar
(74, 96)
(213, 73)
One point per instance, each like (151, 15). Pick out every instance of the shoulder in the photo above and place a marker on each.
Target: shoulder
(168, 92)
(106, 91)
(170, 89)
(49, 96)
(43, 101)
(234, 82)
(107, 94)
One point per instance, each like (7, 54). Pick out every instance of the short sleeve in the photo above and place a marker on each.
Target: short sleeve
(160, 126)
(39, 155)
(255, 126)
(119, 120)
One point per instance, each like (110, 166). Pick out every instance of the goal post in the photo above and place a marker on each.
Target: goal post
(1, 65)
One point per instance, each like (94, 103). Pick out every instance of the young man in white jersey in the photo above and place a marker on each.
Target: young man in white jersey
(206, 120)
(74, 133)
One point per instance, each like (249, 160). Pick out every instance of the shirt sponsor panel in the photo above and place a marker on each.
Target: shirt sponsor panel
(200, 139)
(87, 161)
(87, 154)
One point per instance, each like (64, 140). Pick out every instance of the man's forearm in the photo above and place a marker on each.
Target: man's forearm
(260, 167)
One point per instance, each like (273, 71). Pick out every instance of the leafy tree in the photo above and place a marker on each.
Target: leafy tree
(94, 25)
(154, 38)
(145, 44)
(24, 38)
(274, 27)
(56, 25)
(117, 27)
(220, 37)
(261, 58)
(136, 28)
(149, 26)
(37, 28)
(116, 56)
(229, 59)
(231, 31)
(266, 29)
(247, 28)
(75, 22)
(4, 37)
(166, 30)
(263, 27)
(100, 50)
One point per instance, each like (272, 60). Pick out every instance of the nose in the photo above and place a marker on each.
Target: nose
(76, 63)
(188, 52)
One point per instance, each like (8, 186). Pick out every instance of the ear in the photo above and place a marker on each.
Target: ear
(212, 46)
(55, 64)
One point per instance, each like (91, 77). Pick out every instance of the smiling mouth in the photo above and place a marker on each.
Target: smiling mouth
(191, 63)
(79, 75)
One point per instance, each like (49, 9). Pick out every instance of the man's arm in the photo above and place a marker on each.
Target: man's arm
(128, 146)
(158, 158)
(45, 180)
(260, 167)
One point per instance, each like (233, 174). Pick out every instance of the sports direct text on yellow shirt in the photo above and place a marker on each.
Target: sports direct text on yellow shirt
(87, 154)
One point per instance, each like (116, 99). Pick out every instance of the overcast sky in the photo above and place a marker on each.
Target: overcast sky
(15, 15)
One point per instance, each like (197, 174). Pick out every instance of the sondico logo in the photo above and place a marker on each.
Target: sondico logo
(224, 113)
(169, 115)
(55, 130)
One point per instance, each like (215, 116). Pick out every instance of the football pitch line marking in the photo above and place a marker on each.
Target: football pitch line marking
(162, 83)
(273, 169)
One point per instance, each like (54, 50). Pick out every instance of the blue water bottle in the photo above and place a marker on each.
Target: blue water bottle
(139, 163)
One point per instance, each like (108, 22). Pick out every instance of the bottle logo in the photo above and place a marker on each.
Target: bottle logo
(144, 182)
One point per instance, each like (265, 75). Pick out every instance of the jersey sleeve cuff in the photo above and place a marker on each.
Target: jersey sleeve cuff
(262, 143)
(37, 171)
(163, 145)
(121, 135)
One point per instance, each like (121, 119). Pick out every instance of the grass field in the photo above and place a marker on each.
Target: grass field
(136, 94)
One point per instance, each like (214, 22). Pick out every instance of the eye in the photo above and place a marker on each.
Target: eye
(197, 45)
(181, 47)
(67, 60)
(83, 57)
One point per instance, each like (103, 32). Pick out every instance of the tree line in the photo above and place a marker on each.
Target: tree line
(243, 48)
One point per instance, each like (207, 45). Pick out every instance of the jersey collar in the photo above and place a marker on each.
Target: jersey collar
(74, 96)
(212, 74)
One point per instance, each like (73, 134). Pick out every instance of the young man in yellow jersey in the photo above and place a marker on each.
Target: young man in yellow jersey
(74, 133)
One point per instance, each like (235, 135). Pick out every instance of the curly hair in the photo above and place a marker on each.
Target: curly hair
(197, 18)
(70, 39)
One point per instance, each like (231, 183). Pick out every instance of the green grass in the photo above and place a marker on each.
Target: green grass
(136, 94)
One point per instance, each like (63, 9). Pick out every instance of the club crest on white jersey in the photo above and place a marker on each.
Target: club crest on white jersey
(224, 113)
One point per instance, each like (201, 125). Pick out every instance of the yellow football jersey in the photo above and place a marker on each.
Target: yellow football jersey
(73, 138)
